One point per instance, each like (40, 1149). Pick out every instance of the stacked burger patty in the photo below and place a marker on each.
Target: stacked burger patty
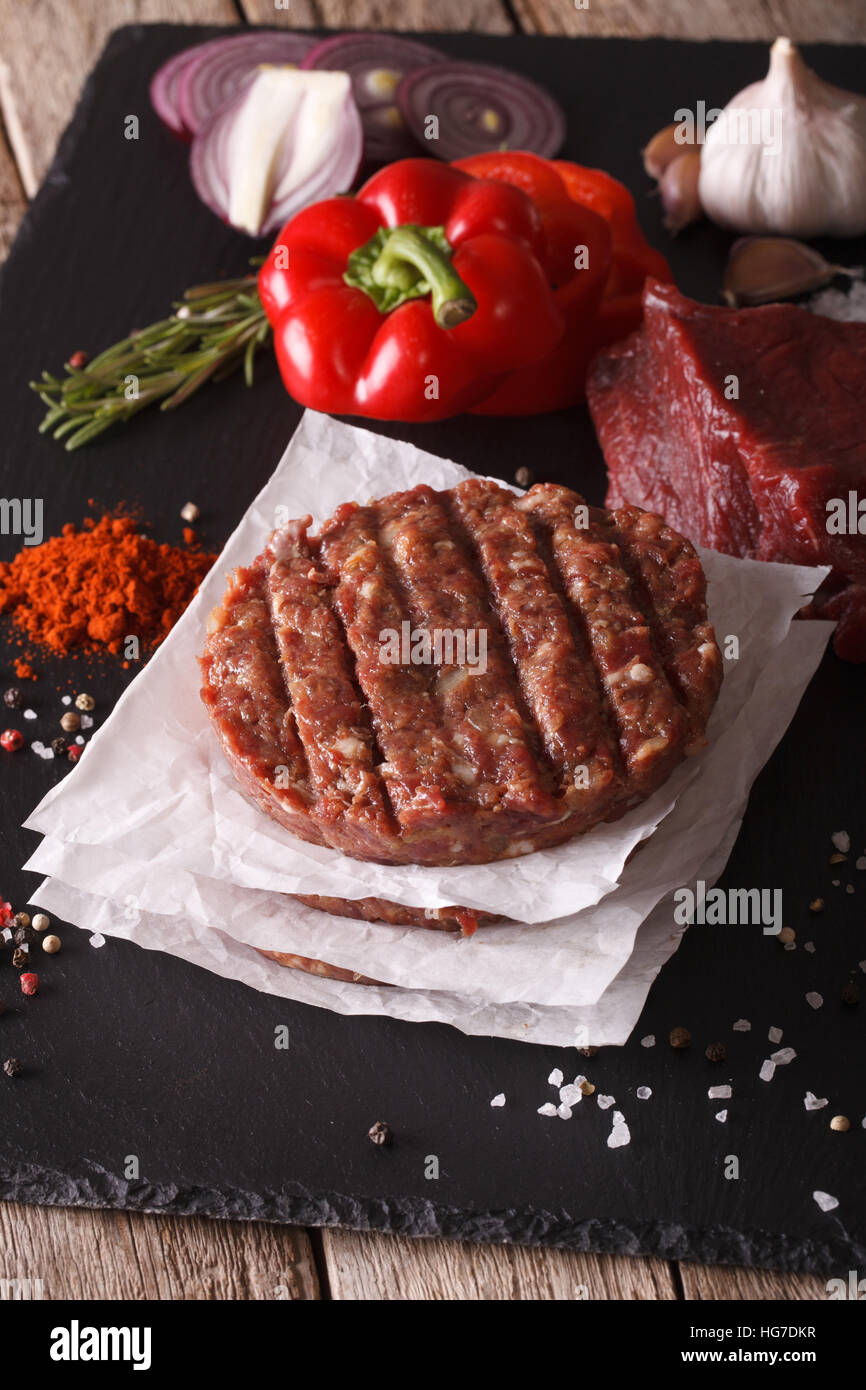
(554, 665)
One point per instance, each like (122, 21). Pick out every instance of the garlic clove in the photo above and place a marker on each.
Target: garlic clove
(788, 155)
(661, 151)
(678, 187)
(763, 269)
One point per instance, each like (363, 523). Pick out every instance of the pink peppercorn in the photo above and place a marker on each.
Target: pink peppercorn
(11, 740)
(29, 982)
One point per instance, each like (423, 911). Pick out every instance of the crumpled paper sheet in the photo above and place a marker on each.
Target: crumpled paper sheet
(179, 806)
(566, 963)
(607, 1022)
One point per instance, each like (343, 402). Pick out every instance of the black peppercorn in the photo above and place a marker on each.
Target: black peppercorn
(13, 697)
(24, 936)
(850, 995)
(12, 1066)
(380, 1133)
(716, 1052)
(20, 958)
(680, 1037)
(59, 746)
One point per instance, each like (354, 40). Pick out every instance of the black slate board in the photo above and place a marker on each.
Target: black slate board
(130, 1052)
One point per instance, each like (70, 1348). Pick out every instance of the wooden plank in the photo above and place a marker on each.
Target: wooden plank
(12, 199)
(37, 95)
(370, 1265)
(81, 1254)
(807, 21)
(720, 1282)
(483, 16)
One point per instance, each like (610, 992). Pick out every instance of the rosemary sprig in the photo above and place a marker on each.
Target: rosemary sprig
(214, 330)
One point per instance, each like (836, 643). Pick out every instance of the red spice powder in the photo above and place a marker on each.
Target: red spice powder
(89, 588)
(24, 671)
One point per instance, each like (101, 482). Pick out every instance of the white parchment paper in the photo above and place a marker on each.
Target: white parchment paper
(154, 787)
(607, 1021)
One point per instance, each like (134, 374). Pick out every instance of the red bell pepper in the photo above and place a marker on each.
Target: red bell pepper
(412, 300)
(600, 303)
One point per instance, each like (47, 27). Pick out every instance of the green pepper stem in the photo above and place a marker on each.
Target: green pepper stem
(452, 301)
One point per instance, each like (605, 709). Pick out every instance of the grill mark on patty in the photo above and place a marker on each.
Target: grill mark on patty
(559, 688)
(651, 722)
(331, 722)
(417, 761)
(244, 689)
(669, 579)
(480, 707)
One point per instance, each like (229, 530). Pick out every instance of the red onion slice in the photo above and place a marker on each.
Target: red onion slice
(376, 64)
(211, 161)
(163, 90)
(479, 108)
(218, 68)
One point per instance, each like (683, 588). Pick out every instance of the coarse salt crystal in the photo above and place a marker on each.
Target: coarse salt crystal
(720, 1093)
(836, 882)
(775, 1035)
(862, 965)
(825, 1201)
(783, 1056)
(97, 940)
(564, 1112)
(605, 1102)
(86, 721)
(555, 1078)
(814, 998)
(721, 1116)
(768, 1070)
(810, 947)
(742, 1025)
(30, 714)
(649, 1040)
(547, 1109)
(571, 1095)
(861, 862)
(498, 1100)
(66, 700)
(643, 1092)
(849, 887)
(620, 1134)
(811, 1102)
(79, 740)
(841, 841)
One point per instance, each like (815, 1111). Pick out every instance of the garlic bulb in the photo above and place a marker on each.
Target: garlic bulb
(788, 155)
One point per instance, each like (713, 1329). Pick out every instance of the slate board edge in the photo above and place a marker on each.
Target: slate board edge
(37, 1186)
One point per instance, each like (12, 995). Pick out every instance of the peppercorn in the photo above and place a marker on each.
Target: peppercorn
(21, 919)
(816, 905)
(716, 1052)
(78, 360)
(51, 944)
(74, 752)
(59, 746)
(840, 1123)
(786, 936)
(680, 1037)
(11, 740)
(24, 936)
(523, 477)
(851, 994)
(587, 1088)
(84, 701)
(13, 698)
(29, 982)
(41, 922)
(380, 1133)
(838, 858)
(12, 1066)
(70, 723)
(20, 957)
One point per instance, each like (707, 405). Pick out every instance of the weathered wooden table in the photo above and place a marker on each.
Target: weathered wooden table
(46, 49)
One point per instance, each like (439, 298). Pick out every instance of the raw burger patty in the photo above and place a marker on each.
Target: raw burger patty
(748, 473)
(601, 672)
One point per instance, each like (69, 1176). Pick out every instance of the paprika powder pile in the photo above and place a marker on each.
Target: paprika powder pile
(90, 588)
